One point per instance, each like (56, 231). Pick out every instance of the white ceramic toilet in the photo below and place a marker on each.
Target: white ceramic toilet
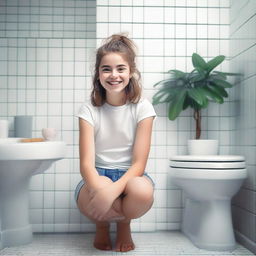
(209, 182)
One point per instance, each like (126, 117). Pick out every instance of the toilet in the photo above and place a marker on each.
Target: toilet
(209, 183)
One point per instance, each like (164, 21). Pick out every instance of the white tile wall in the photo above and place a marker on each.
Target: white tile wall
(242, 49)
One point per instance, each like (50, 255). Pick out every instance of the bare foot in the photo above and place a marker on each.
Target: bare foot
(124, 241)
(102, 239)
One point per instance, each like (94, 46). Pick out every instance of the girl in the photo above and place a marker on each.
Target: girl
(114, 143)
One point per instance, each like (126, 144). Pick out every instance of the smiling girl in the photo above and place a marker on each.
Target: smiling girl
(114, 142)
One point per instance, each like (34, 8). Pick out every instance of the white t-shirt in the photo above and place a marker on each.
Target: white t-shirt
(114, 131)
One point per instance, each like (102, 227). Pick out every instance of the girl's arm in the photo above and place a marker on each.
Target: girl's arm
(140, 153)
(87, 153)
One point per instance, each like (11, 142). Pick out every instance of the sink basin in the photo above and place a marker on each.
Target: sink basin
(18, 162)
(12, 149)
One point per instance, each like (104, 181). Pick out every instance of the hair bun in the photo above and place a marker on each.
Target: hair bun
(122, 38)
(118, 37)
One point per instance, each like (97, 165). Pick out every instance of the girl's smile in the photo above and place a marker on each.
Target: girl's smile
(114, 83)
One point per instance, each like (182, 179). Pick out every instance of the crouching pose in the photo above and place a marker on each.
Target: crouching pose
(114, 142)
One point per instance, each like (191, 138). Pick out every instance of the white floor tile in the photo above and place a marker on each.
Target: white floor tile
(153, 243)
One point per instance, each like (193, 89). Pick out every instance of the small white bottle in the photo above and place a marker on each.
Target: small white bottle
(4, 129)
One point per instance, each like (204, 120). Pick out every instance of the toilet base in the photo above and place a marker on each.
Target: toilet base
(208, 224)
(16, 237)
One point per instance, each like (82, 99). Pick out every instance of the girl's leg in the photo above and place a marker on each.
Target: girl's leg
(124, 241)
(137, 201)
(102, 239)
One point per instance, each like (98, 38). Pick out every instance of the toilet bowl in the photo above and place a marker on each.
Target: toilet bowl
(209, 182)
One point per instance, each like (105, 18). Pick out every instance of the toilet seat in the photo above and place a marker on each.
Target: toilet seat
(208, 162)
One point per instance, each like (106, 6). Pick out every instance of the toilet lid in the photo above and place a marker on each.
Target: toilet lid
(208, 162)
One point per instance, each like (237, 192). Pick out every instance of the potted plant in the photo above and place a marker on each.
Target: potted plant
(194, 89)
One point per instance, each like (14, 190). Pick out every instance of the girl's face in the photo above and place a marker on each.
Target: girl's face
(114, 73)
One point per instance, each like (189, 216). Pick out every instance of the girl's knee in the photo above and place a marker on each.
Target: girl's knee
(139, 197)
(140, 188)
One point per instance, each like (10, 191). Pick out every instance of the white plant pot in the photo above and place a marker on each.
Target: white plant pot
(203, 147)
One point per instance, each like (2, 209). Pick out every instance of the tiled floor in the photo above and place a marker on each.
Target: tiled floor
(159, 243)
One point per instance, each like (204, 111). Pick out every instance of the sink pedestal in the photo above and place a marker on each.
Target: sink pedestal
(15, 228)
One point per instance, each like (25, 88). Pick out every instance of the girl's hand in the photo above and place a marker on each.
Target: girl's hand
(101, 202)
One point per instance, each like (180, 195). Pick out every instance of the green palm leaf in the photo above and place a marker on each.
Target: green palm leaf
(222, 83)
(177, 73)
(212, 64)
(176, 105)
(165, 94)
(198, 61)
(212, 95)
(196, 95)
(217, 91)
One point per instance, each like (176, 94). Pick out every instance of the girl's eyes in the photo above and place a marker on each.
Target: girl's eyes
(120, 70)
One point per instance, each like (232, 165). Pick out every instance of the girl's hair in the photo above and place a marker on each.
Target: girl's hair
(121, 44)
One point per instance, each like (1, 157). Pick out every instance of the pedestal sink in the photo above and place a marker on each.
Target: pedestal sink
(18, 162)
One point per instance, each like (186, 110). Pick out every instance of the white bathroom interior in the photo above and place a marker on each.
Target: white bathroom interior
(46, 59)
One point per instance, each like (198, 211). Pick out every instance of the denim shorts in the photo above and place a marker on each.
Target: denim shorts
(113, 174)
